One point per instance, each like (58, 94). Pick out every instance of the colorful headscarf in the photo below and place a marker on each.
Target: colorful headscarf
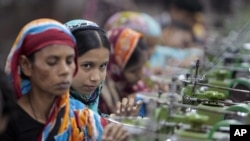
(123, 43)
(68, 119)
(140, 22)
(33, 37)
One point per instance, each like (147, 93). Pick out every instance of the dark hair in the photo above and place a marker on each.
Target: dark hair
(221, 6)
(184, 27)
(192, 6)
(90, 39)
(7, 97)
(133, 60)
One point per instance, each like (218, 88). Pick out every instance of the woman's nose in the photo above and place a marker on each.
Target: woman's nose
(64, 69)
(95, 75)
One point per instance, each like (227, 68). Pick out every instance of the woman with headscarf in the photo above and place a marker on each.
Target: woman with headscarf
(41, 65)
(150, 29)
(140, 22)
(128, 55)
(93, 57)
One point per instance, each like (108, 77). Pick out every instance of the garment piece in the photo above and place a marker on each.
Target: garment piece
(163, 55)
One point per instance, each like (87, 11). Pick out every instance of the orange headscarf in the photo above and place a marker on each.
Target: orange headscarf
(123, 43)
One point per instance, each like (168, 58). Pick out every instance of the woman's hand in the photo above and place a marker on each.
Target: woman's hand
(114, 132)
(161, 86)
(128, 107)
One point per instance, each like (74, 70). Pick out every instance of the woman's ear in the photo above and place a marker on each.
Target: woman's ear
(25, 65)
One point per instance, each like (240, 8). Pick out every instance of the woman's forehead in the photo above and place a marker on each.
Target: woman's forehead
(95, 55)
(56, 49)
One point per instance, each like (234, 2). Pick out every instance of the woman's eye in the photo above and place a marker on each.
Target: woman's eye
(51, 62)
(104, 66)
(86, 66)
(70, 61)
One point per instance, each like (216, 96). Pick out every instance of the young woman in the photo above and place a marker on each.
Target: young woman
(93, 56)
(41, 64)
(128, 55)
(151, 31)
